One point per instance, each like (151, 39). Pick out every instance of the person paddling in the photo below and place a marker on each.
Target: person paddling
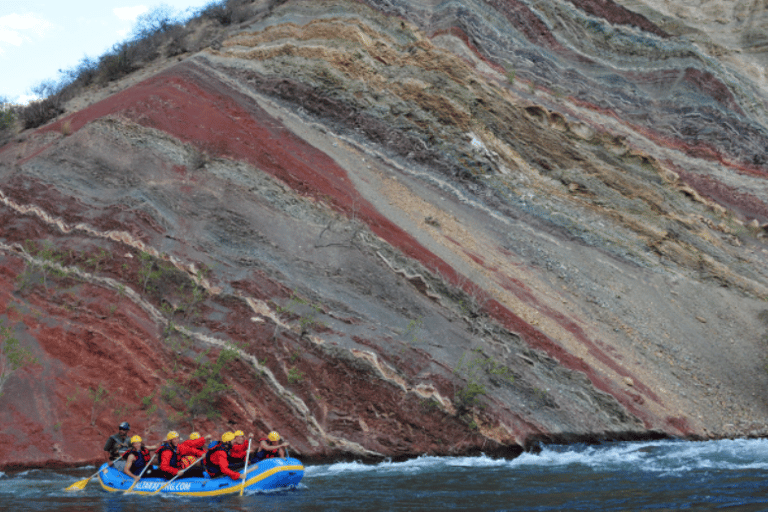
(216, 460)
(137, 457)
(195, 442)
(236, 456)
(271, 447)
(118, 443)
(170, 453)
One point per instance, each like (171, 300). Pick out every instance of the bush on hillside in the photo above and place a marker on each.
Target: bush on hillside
(117, 63)
(83, 74)
(177, 40)
(37, 113)
(157, 21)
(227, 12)
(7, 115)
(218, 11)
(158, 31)
(7, 120)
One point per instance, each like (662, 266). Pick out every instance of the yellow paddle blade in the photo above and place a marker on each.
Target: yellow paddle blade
(79, 485)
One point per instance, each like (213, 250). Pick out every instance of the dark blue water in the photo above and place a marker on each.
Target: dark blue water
(663, 475)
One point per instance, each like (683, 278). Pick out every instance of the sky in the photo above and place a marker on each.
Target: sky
(40, 37)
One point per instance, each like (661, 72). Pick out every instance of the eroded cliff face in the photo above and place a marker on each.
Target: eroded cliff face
(394, 228)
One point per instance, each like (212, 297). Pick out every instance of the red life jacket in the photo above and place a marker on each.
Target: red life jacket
(141, 459)
(174, 463)
(210, 467)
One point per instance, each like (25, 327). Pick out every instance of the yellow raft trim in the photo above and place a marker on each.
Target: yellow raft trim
(217, 492)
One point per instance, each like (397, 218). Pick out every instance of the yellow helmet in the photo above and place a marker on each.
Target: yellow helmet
(135, 439)
(273, 436)
(194, 435)
(239, 433)
(172, 434)
(227, 437)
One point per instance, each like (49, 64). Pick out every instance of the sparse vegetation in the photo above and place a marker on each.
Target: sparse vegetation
(295, 375)
(173, 287)
(46, 261)
(27, 278)
(197, 394)
(307, 320)
(511, 76)
(469, 395)
(13, 356)
(72, 398)
(429, 404)
(219, 11)
(157, 33)
(411, 330)
(209, 374)
(7, 115)
(120, 410)
(7, 120)
(475, 369)
(97, 259)
(153, 22)
(13, 308)
(147, 403)
(148, 270)
(37, 113)
(98, 398)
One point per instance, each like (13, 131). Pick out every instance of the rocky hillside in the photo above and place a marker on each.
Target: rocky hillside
(388, 228)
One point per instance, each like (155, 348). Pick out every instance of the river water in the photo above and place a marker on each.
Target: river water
(659, 475)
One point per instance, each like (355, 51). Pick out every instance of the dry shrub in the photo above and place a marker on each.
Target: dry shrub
(37, 113)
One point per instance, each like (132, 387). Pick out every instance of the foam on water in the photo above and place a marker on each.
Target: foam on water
(666, 457)
(424, 463)
(669, 457)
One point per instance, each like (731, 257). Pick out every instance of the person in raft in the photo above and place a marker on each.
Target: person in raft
(118, 443)
(195, 442)
(216, 460)
(170, 453)
(137, 458)
(271, 447)
(236, 456)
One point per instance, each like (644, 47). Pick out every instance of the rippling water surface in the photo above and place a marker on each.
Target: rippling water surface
(664, 475)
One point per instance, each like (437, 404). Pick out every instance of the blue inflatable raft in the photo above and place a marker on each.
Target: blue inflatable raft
(266, 475)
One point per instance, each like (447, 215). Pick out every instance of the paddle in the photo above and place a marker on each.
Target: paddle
(142, 473)
(245, 471)
(80, 484)
(177, 476)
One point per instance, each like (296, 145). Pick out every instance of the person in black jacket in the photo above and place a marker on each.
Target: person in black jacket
(118, 443)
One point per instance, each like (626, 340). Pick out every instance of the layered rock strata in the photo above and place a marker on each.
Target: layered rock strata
(394, 228)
